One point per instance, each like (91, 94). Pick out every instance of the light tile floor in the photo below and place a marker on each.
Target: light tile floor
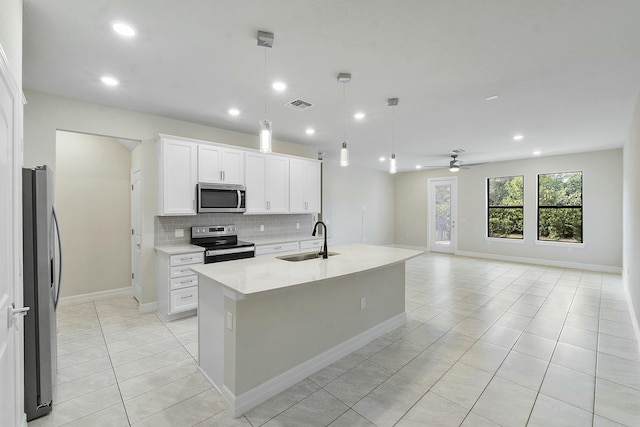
(487, 343)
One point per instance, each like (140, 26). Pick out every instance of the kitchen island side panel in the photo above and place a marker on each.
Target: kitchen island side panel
(278, 330)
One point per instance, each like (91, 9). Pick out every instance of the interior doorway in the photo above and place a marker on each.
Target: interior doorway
(443, 214)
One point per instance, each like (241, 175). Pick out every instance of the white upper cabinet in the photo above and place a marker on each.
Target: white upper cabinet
(178, 177)
(220, 165)
(267, 182)
(304, 186)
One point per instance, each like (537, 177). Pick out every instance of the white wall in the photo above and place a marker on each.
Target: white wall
(631, 266)
(93, 203)
(357, 204)
(11, 35)
(602, 209)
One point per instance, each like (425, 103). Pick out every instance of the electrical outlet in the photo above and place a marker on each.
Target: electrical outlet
(229, 320)
(297, 226)
(363, 303)
(261, 227)
(179, 232)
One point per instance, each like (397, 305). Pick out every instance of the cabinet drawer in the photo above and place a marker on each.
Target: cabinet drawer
(183, 259)
(311, 244)
(273, 249)
(183, 299)
(183, 282)
(180, 271)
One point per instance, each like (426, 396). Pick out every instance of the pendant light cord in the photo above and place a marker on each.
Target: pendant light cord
(265, 83)
(344, 112)
(393, 130)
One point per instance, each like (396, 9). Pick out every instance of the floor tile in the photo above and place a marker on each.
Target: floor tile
(617, 402)
(535, 346)
(439, 412)
(475, 420)
(621, 347)
(569, 386)
(505, 403)
(188, 412)
(152, 380)
(618, 370)
(333, 371)
(426, 369)
(472, 327)
(396, 355)
(552, 412)
(485, 356)
(524, 370)
(578, 358)
(425, 335)
(281, 402)
(358, 382)
(385, 405)
(462, 384)
(319, 409)
(224, 419)
(544, 328)
(579, 337)
(351, 419)
(113, 416)
(501, 336)
(84, 385)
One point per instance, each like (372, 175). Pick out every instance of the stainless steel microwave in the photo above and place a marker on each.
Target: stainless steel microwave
(220, 198)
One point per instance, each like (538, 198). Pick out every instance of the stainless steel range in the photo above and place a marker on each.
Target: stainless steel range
(221, 243)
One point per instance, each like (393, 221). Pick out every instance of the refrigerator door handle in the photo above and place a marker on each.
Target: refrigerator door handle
(55, 221)
(13, 313)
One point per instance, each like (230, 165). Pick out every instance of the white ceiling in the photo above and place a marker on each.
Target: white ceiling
(567, 72)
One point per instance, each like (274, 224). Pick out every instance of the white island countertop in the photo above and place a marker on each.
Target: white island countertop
(267, 272)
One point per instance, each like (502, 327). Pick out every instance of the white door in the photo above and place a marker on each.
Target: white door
(11, 391)
(136, 235)
(443, 214)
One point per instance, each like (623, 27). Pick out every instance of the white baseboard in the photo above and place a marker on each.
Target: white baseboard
(632, 312)
(248, 400)
(148, 307)
(95, 296)
(547, 262)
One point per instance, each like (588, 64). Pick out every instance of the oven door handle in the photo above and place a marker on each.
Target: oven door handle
(230, 251)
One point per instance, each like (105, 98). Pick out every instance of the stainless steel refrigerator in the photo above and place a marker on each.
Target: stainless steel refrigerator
(41, 275)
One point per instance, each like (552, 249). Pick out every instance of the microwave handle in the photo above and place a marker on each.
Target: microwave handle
(239, 199)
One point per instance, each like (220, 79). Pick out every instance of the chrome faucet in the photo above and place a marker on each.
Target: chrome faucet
(325, 251)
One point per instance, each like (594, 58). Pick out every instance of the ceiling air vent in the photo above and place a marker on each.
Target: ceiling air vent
(299, 104)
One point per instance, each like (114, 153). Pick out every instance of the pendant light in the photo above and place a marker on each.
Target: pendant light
(344, 78)
(393, 102)
(265, 40)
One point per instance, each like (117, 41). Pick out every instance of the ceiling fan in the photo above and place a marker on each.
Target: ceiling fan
(454, 164)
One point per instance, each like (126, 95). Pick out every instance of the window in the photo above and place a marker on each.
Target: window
(560, 207)
(505, 197)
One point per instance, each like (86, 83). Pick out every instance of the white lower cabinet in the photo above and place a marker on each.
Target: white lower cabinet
(177, 290)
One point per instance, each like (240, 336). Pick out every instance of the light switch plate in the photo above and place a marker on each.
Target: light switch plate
(229, 320)
(179, 232)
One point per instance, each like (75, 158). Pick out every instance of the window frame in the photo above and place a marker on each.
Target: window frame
(581, 207)
(488, 217)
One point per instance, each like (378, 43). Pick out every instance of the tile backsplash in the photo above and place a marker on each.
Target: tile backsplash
(248, 226)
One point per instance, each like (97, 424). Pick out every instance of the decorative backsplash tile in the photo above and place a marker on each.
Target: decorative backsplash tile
(275, 226)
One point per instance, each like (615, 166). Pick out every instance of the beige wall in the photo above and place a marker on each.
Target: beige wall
(631, 267)
(11, 35)
(94, 209)
(602, 210)
(357, 204)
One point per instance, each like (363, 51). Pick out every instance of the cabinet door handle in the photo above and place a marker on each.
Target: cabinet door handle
(224, 176)
(187, 297)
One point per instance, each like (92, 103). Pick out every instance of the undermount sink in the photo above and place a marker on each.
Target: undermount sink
(303, 257)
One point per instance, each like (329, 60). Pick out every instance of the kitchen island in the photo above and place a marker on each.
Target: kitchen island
(265, 323)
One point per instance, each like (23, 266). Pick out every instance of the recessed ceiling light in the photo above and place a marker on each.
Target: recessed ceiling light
(537, 153)
(491, 98)
(279, 86)
(382, 159)
(418, 167)
(359, 116)
(518, 137)
(310, 131)
(234, 111)
(109, 81)
(123, 29)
